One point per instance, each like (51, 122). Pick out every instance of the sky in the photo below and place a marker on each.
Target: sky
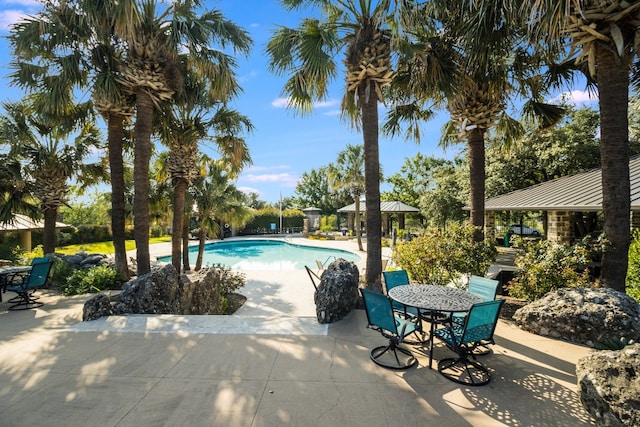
(284, 144)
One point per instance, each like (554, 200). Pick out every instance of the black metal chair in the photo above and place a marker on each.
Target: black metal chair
(478, 328)
(313, 276)
(381, 317)
(26, 285)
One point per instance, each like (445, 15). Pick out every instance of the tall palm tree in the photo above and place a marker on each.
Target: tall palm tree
(183, 133)
(473, 76)
(152, 74)
(49, 161)
(217, 199)
(360, 30)
(92, 58)
(348, 173)
(602, 34)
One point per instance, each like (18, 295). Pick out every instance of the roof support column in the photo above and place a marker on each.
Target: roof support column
(489, 225)
(559, 227)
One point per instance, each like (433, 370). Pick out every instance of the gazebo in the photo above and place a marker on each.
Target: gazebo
(564, 201)
(387, 209)
(23, 224)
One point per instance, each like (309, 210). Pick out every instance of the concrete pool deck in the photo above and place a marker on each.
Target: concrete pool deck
(54, 374)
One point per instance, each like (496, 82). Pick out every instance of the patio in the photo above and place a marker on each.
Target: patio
(55, 370)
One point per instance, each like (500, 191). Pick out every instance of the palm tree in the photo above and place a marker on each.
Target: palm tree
(152, 74)
(359, 30)
(348, 173)
(602, 34)
(217, 200)
(51, 163)
(93, 57)
(473, 77)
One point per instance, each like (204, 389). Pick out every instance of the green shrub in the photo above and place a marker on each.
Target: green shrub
(442, 256)
(544, 266)
(61, 270)
(95, 279)
(633, 272)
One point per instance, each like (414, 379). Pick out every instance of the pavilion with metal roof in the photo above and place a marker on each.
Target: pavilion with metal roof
(386, 208)
(581, 192)
(24, 225)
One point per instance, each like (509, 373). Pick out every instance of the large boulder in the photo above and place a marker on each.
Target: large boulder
(337, 293)
(586, 316)
(96, 307)
(610, 386)
(157, 292)
(202, 293)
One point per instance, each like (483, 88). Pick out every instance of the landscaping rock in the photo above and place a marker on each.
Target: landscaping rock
(337, 293)
(96, 307)
(202, 294)
(588, 316)
(610, 386)
(158, 292)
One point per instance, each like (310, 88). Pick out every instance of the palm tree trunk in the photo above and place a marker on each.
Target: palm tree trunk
(477, 181)
(142, 155)
(49, 232)
(202, 238)
(185, 242)
(179, 196)
(369, 106)
(358, 230)
(115, 131)
(613, 87)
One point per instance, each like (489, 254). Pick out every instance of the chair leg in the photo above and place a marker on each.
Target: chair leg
(25, 301)
(404, 360)
(461, 370)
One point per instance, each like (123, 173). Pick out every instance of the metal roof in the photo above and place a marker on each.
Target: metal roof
(384, 207)
(579, 192)
(23, 222)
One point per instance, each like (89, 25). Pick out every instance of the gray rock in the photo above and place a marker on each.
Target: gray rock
(93, 259)
(158, 292)
(202, 294)
(97, 306)
(583, 315)
(610, 386)
(337, 293)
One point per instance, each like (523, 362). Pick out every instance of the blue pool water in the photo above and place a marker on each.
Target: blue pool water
(264, 255)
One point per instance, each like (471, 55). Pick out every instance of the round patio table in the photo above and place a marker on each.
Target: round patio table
(436, 300)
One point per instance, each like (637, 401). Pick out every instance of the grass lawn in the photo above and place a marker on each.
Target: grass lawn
(105, 247)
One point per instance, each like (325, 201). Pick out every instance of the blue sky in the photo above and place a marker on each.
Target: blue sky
(284, 144)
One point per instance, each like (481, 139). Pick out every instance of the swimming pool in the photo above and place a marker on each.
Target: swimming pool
(257, 254)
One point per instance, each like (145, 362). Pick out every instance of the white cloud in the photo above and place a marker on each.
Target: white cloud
(577, 97)
(249, 190)
(10, 17)
(284, 103)
(284, 179)
(281, 102)
(267, 168)
(324, 104)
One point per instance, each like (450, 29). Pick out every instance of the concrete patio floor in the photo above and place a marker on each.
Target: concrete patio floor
(266, 365)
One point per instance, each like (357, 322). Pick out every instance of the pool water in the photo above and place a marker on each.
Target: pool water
(265, 255)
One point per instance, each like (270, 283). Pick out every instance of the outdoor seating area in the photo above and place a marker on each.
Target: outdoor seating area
(247, 369)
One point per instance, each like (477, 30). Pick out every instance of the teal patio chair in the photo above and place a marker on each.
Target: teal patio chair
(381, 318)
(395, 278)
(477, 329)
(26, 285)
(487, 289)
